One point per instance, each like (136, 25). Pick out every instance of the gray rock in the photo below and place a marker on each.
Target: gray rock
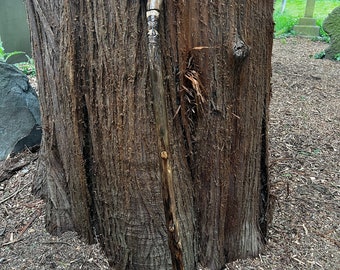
(20, 118)
(332, 27)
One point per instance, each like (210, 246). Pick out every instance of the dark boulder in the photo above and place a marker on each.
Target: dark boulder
(19, 112)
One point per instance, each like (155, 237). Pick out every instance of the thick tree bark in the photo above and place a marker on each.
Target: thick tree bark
(101, 160)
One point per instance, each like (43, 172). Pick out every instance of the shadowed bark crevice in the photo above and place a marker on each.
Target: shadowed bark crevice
(90, 175)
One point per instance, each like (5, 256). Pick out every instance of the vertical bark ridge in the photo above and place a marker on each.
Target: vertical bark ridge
(221, 140)
(101, 157)
(133, 218)
(44, 35)
(161, 118)
(181, 167)
(109, 85)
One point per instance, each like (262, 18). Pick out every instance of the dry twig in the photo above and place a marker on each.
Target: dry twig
(24, 229)
(14, 193)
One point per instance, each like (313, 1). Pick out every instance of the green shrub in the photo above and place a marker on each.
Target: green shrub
(284, 24)
(27, 67)
(320, 55)
(5, 56)
(295, 9)
(337, 57)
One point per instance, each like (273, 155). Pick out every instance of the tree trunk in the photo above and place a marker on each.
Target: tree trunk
(102, 163)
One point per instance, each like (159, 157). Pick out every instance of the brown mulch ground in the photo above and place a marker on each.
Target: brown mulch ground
(304, 169)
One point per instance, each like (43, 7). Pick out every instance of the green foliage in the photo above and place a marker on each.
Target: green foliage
(320, 55)
(294, 10)
(323, 38)
(337, 57)
(323, 35)
(27, 67)
(5, 56)
(284, 24)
